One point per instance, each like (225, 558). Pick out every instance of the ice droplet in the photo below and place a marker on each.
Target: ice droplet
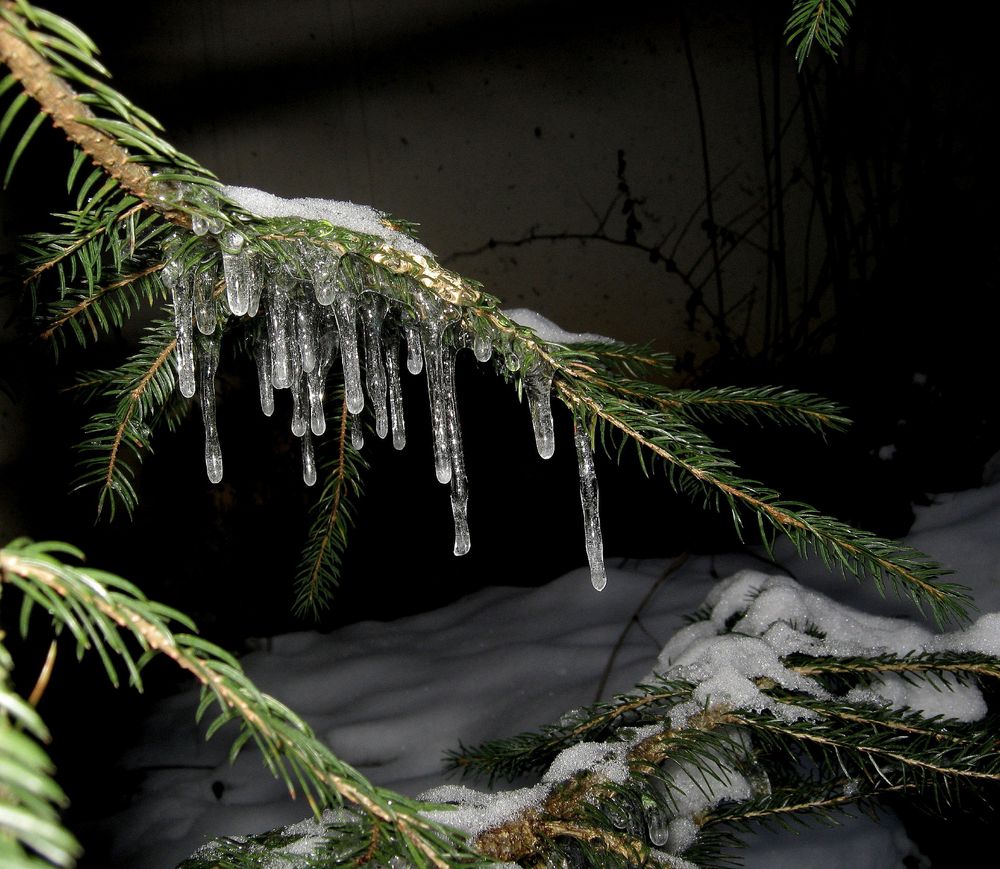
(395, 389)
(589, 501)
(538, 385)
(657, 825)
(308, 460)
(482, 348)
(414, 354)
(183, 313)
(199, 225)
(208, 361)
(459, 482)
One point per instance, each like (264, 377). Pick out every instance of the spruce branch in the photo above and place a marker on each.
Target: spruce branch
(143, 389)
(820, 22)
(102, 611)
(31, 835)
(333, 514)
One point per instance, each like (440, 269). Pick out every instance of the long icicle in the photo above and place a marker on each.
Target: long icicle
(459, 482)
(372, 308)
(431, 336)
(208, 362)
(590, 502)
(396, 420)
(180, 286)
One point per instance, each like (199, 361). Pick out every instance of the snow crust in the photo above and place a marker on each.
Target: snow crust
(392, 698)
(781, 617)
(350, 215)
(549, 331)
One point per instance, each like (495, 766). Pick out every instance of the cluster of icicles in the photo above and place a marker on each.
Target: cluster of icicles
(348, 310)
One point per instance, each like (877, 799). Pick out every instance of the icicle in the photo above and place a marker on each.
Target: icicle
(589, 501)
(278, 329)
(538, 385)
(208, 361)
(459, 482)
(316, 380)
(345, 306)
(323, 271)
(395, 389)
(414, 355)
(305, 332)
(513, 361)
(308, 460)
(357, 434)
(433, 352)
(239, 268)
(297, 387)
(180, 285)
(263, 354)
(482, 348)
(372, 308)
(204, 303)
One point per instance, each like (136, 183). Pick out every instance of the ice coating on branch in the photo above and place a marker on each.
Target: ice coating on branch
(589, 501)
(538, 384)
(180, 288)
(208, 362)
(358, 218)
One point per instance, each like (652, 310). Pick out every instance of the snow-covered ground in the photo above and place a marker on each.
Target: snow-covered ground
(392, 697)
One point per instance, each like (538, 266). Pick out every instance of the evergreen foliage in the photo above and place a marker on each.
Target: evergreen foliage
(151, 230)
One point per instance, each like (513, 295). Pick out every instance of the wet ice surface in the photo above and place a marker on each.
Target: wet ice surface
(392, 698)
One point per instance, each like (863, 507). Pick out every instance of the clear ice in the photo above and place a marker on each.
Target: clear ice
(180, 286)
(589, 502)
(335, 309)
(538, 385)
(208, 362)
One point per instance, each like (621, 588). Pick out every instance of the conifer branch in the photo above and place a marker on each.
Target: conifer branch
(101, 610)
(82, 307)
(333, 516)
(144, 390)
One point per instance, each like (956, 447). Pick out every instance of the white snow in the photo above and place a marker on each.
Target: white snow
(391, 698)
(350, 215)
(545, 329)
